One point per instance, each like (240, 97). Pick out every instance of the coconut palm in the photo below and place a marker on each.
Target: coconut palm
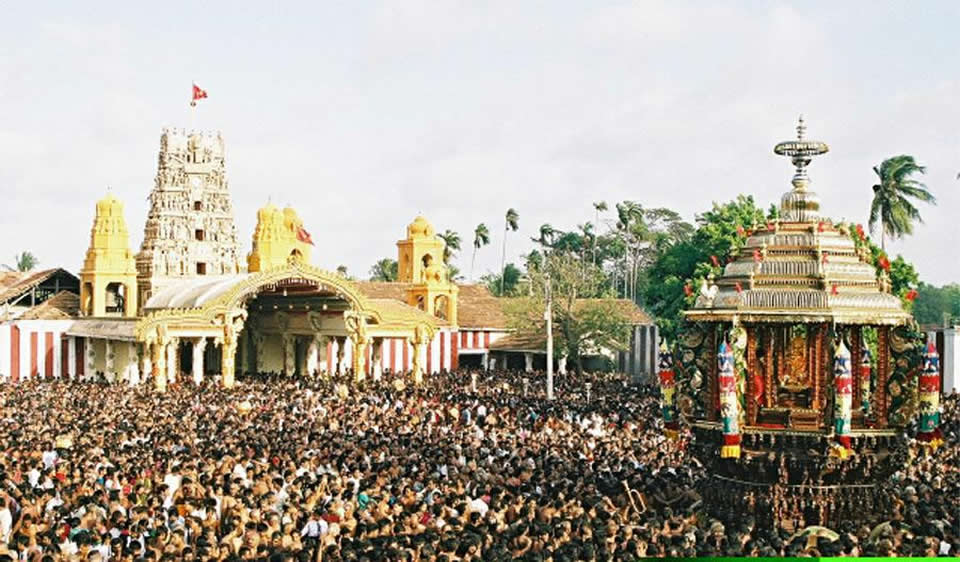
(547, 235)
(509, 223)
(451, 240)
(598, 207)
(481, 237)
(24, 261)
(629, 218)
(892, 207)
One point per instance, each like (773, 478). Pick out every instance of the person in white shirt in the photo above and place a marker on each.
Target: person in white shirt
(6, 519)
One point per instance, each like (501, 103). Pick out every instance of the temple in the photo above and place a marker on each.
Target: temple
(796, 370)
(189, 306)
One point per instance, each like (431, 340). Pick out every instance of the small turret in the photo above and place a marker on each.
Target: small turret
(420, 263)
(109, 275)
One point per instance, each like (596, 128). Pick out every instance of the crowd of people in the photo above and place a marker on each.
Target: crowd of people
(468, 467)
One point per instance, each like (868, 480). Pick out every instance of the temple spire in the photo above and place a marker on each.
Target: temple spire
(800, 204)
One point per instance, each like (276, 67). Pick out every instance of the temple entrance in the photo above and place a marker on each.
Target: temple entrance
(289, 321)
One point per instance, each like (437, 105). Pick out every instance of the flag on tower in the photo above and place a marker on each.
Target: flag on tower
(304, 236)
(198, 94)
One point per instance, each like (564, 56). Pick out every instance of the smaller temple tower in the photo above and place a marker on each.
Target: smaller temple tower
(278, 239)
(108, 281)
(420, 263)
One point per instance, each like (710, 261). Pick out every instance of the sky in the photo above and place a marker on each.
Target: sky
(363, 114)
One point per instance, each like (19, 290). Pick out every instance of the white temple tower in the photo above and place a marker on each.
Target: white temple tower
(190, 231)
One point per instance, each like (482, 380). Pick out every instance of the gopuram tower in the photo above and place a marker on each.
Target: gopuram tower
(190, 231)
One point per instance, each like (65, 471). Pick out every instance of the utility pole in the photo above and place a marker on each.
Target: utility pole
(548, 316)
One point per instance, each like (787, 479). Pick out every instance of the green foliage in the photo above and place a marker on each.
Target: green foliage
(903, 276)
(384, 270)
(505, 285)
(892, 207)
(936, 305)
(24, 261)
(579, 326)
(481, 237)
(452, 241)
(688, 262)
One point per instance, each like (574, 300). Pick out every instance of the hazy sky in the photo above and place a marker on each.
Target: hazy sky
(362, 114)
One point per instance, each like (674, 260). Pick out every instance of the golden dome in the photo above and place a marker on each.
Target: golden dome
(109, 205)
(266, 211)
(420, 228)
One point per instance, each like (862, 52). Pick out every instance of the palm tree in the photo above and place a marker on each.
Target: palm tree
(892, 206)
(598, 207)
(451, 241)
(24, 261)
(547, 234)
(509, 223)
(629, 215)
(481, 237)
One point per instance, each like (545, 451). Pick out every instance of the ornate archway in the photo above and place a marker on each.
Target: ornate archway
(299, 300)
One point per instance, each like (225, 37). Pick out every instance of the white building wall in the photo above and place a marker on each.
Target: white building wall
(4, 351)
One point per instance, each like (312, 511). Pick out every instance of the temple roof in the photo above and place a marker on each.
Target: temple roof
(801, 268)
(195, 292)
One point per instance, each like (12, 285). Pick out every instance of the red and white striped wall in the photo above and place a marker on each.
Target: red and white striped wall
(36, 348)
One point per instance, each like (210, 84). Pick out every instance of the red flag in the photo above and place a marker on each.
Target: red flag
(820, 226)
(824, 259)
(756, 255)
(741, 231)
(716, 262)
(688, 290)
(834, 290)
(198, 94)
(911, 295)
(738, 287)
(304, 236)
(860, 233)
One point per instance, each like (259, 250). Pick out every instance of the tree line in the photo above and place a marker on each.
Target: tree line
(653, 257)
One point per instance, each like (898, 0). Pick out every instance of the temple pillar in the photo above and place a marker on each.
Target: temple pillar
(228, 354)
(159, 352)
(491, 361)
(312, 356)
(133, 364)
(289, 354)
(376, 356)
(419, 358)
(528, 362)
(173, 365)
(855, 351)
(341, 344)
(359, 359)
(146, 360)
(91, 359)
(259, 350)
(109, 363)
(199, 346)
(301, 358)
(883, 372)
(752, 400)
